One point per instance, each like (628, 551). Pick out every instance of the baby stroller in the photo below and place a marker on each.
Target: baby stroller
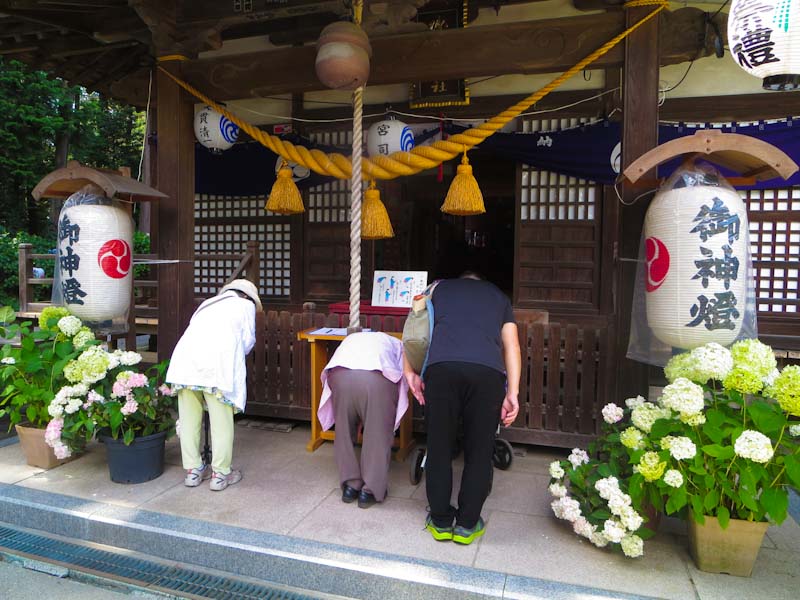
(502, 458)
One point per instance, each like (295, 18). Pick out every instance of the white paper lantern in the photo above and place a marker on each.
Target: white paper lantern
(764, 37)
(95, 253)
(213, 130)
(696, 250)
(388, 137)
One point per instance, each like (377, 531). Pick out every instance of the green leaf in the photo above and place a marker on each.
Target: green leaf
(116, 418)
(717, 451)
(30, 412)
(128, 437)
(7, 314)
(768, 418)
(723, 516)
(776, 503)
(63, 349)
(715, 417)
(601, 514)
(793, 470)
(697, 505)
(710, 501)
(748, 499)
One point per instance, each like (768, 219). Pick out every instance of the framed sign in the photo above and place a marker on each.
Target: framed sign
(397, 288)
(444, 92)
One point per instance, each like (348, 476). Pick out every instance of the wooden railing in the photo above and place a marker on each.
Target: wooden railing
(565, 375)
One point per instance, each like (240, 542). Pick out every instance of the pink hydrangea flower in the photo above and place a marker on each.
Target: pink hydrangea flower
(130, 407)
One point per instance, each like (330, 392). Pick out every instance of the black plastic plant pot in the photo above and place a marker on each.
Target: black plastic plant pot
(142, 461)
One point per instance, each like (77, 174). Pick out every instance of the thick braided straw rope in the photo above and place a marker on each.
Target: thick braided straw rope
(419, 158)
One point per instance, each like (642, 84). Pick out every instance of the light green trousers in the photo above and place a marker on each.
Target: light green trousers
(190, 412)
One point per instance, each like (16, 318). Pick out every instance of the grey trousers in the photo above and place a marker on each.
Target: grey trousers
(366, 397)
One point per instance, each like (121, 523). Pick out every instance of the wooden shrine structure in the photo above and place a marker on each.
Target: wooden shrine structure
(571, 280)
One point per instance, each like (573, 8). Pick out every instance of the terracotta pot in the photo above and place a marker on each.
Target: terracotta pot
(733, 550)
(37, 452)
(652, 515)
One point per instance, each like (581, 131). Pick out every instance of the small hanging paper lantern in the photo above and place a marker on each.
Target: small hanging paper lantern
(285, 198)
(213, 130)
(388, 137)
(764, 38)
(696, 251)
(464, 196)
(343, 53)
(375, 223)
(95, 258)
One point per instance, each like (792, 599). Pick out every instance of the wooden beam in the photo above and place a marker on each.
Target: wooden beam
(546, 46)
(723, 109)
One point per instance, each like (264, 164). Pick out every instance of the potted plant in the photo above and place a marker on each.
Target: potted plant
(131, 412)
(32, 362)
(728, 452)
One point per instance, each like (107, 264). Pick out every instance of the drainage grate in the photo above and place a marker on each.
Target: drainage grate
(175, 579)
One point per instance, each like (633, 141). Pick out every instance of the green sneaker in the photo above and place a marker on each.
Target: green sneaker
(440, 534)
(462, 535)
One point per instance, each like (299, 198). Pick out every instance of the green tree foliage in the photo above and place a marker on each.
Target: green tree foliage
(37, 111)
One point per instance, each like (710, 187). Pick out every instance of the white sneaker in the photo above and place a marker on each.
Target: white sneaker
(219, 482)
(195, 476)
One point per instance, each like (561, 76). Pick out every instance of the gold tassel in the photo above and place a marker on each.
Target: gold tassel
(375, 223)
(285, 198)
(464, 196)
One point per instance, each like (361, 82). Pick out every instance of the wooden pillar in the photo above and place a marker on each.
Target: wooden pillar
(174, 215)
(639, 134)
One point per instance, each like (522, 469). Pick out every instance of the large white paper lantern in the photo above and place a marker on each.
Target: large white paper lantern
(764, 37)
(697, 256)
(213, 130)
(388, 137)
(95, 254)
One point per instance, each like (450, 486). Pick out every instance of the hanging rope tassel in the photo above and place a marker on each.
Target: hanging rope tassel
(285, 198)
(464, 196)
(375, 223)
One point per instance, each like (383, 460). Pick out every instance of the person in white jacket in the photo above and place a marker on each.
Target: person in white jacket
(208, 368)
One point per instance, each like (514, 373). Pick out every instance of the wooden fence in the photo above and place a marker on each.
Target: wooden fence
(566, 376)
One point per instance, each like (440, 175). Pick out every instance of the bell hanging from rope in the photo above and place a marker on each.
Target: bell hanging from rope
(285, 198)
(464, 196)
(375, 223)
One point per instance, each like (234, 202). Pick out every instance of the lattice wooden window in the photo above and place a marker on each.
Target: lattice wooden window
(546, 196)
(330, 202)
(223, 225)
(775, 247)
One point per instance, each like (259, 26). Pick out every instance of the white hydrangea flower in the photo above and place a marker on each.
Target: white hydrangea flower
(634, 402)
(680, 447)
(711, 361)
(73, 405)
(113, 361)
(794, 430)
(683, 396)
(129, 358)
(644, 415)
(8, 360)
(612, 413)
(599, 539)
(614, 531)
(771, 377)
(557, 490)
(69, 325)
(618, 503)
(630, 519)
(583, 528)
(607, 487)
(55, 410)
(556, 471)
(566, 508)
(753, 445)
(578, 457)
(632, 546)
(673, 478)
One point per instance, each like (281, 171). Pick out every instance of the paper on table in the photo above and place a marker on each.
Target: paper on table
(332, 331)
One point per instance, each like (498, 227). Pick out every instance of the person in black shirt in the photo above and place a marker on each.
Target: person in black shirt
(472, 375)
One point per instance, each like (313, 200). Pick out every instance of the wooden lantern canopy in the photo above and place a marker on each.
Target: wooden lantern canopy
(95, 241)
(696, 240)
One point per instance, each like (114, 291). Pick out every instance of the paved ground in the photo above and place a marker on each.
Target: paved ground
(18, 583)
(291, 492)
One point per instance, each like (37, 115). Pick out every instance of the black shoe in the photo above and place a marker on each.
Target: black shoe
(366, 499)
(349, 494)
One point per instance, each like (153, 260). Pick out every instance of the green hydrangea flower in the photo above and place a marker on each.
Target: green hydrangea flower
(83, 337)
(52, 313)
(753, 356)
(744, 381)
(89, 367)
(632, 438)
(681, 365)
(650, 466)
(786, 390)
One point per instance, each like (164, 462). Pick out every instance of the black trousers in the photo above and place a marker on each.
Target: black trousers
(471, 394)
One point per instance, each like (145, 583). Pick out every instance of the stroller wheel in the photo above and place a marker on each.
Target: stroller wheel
(503, 454)
(415, 465)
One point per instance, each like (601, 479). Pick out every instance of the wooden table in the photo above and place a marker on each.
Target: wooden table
(403, 442)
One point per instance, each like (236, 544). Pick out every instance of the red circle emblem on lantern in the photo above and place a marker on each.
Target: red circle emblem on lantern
(114, 257)
(657, 257)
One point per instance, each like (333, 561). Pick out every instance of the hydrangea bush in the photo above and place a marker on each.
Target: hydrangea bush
(725, 443)
(105, 395)
(32, 361)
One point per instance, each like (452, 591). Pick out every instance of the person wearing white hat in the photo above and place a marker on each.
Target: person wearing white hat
(208, 370)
